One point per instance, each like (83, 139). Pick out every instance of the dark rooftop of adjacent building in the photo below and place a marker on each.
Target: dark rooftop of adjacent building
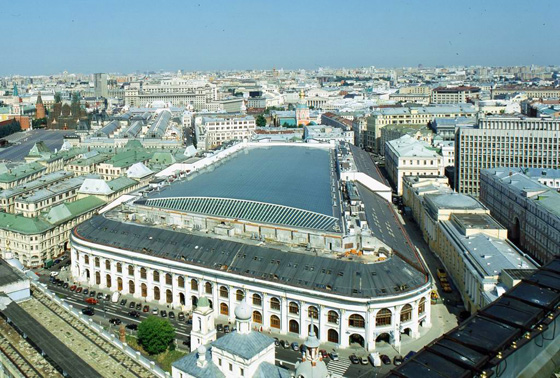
(293, 269)
(8, 274)
(485, 339)
(55, 350)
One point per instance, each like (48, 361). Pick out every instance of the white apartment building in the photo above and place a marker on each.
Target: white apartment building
(513, 141)
(454, 95)
(213, 131)
(176, 91)
(407, 156)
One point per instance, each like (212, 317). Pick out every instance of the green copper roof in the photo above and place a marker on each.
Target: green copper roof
(21, 171)
(23, 225)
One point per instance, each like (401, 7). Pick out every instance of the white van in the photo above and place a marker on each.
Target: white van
(375, 359)
(115, 297)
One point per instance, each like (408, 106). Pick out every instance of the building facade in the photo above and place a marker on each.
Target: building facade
(529, 209)
(499, 141)
(454, 95)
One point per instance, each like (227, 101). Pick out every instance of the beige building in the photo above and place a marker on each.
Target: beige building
(213, 131)
(407, 156)
(454, 95)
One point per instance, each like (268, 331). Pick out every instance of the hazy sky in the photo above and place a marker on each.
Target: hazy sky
(48, 37)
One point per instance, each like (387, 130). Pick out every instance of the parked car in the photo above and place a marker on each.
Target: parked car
(303, 348)
(92, 294)
(107, 297)
(123, 302)
(226, 328)
(65, 285)
(189, 322)
(115, 321)
(364, 360)
(295, 346)
(132, 326)
(385, 359)
(138, 306)
(334, 356)
(132, 305)
(134, 314)
(354, 359)
(163, 313)
(59, 283)
(323, 353)
(56, 261)
(79, 289)
(100, 295)
(276, 341)
(73, 288)
(397, 360)
(375, 359)
(181, 317)
(54, 274)
(146, 308)
(90, 300)
(88, 311)
(285, 344)
(86, 291)
(409, 354)
(220, 328)
(171, 315)
(155, 311)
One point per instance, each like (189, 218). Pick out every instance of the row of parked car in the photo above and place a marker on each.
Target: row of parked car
(136, 307)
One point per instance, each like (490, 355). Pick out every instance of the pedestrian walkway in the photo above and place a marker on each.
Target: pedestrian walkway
(338, 368)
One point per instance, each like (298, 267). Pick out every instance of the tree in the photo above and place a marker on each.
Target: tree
(155, 334)
(260, 121)
(57, 97)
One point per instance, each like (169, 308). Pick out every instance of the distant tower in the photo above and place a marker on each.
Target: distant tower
(100, 85)
(203, 331)
(302, 111)
(15, 92)
(40, 108)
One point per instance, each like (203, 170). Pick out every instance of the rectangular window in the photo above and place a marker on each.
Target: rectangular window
(230, 367)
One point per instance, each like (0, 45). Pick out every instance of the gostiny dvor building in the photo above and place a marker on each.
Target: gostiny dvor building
(302, 232)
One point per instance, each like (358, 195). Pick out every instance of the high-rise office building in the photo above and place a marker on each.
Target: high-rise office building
(498, 141)
(100, 85)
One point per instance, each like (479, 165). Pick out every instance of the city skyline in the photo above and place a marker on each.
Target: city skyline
(252, 35)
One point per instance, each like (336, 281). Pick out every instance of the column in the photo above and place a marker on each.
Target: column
(415, 332)
(102, 278)
(284, 315)
(264, 310)
(137, 288)
(231, 303)
(150, 285)
(396, 321)
(368, 343)
(175, 290)
(303, 320)
(343, 335)
(428, 309)
(74, 264)
(215, 300)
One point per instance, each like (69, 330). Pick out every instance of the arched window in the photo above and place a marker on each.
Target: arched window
(130, 270)
(274, 303)
(383, 317)
(194, 284)
(156, 276)
(257, 317)
(86, 259)
(422, 306)
(131, 287)
(224, 309)
(239, 295)
(119, 284)
(143, 273)
(312, 312)
(357, 321)
(97, 262)
(332, 317)
(293, 308)
(156, 293)
(274, 321)
(108, 279)
(168, 279)
(224, 292)
(119, 268)
(406, 313)
(293, 326)
(107, 265)
(97, 278)
(208, 288)
(169, 296)
(144, 290)
(181, 281)
(332, 336)
(257, 301)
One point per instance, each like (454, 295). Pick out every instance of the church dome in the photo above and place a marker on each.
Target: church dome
(243, 311)
(203, 302)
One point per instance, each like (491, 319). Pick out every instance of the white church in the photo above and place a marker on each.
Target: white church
(242, 353)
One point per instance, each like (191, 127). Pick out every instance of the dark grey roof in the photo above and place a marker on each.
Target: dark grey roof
(245, 346)
(54, 349)
(365, 164)
(188, 365)
(472, 347)
(330, 275)
(298, 177)
(385, 226)
(268, 370)
(8, 274)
